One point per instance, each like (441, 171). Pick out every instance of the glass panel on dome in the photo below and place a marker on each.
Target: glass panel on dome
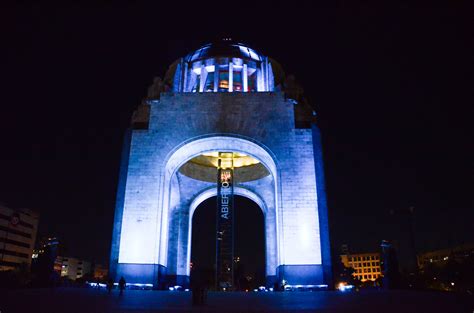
(209, 86)
(244, 51)
(195, 85)
(252, 82)
(254, 55)
(196, 55)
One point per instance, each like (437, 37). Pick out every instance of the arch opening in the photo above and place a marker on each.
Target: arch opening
(182, 194)
(249, 243)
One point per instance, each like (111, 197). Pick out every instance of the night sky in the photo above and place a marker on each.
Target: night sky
(392, 87)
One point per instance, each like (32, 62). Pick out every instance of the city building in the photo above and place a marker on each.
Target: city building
(367, 266)
(72, 268)
(18, 230)
(441, 257)
(44, 269)
(224, 108)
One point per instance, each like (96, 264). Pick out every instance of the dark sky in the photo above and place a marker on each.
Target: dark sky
(392, 87)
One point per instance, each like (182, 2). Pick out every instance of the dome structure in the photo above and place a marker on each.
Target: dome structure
(224, 48)
(224, 66)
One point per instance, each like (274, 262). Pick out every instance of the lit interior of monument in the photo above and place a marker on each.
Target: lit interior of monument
(204, 166)
(225, 75)
(232, 68)
(211, 158)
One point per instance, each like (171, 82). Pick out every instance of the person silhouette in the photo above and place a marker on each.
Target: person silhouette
(110, 284)
(122, 284)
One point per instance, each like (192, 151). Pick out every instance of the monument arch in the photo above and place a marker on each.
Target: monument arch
(223, 111)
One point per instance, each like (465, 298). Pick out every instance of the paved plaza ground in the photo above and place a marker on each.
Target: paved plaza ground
(74, 300)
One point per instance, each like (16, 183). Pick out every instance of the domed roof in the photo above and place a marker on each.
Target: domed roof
(224, 48)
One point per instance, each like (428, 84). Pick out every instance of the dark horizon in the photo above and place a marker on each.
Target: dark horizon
(391, 87)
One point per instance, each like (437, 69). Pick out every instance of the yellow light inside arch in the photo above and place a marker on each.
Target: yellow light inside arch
(239, 159)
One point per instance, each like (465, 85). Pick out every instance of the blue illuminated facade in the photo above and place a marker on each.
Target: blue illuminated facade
(223, 97)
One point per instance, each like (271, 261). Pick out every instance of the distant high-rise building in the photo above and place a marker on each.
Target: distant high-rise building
(391, 270)
(18, 230)
(43, 262)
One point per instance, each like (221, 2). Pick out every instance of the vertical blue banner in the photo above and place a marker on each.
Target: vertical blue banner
(225, 230)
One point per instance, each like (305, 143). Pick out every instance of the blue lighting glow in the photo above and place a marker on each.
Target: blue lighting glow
(305, 287)
(344, 287)
(140, 285)
(209, 68)
(92, 284)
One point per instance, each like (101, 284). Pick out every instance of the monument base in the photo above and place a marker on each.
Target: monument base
(152, 274)
(310, 276)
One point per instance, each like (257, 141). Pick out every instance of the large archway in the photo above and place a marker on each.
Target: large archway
(249, 242)
(171, 138)
(183, 193)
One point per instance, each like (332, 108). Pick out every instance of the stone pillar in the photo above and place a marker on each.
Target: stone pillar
(245, 78)
(231, 77)
(202, 78)
(260, 78)
(216, 76)
(266, 75)
(184, 87)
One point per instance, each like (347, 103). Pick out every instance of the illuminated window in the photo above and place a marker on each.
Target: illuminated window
(223, 79)
(237, 81)
(247, 75)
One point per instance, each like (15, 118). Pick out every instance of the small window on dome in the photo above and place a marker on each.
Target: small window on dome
(223, 79)
(195, 85)
(237, 81)
(209, 86)
(252, 82)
